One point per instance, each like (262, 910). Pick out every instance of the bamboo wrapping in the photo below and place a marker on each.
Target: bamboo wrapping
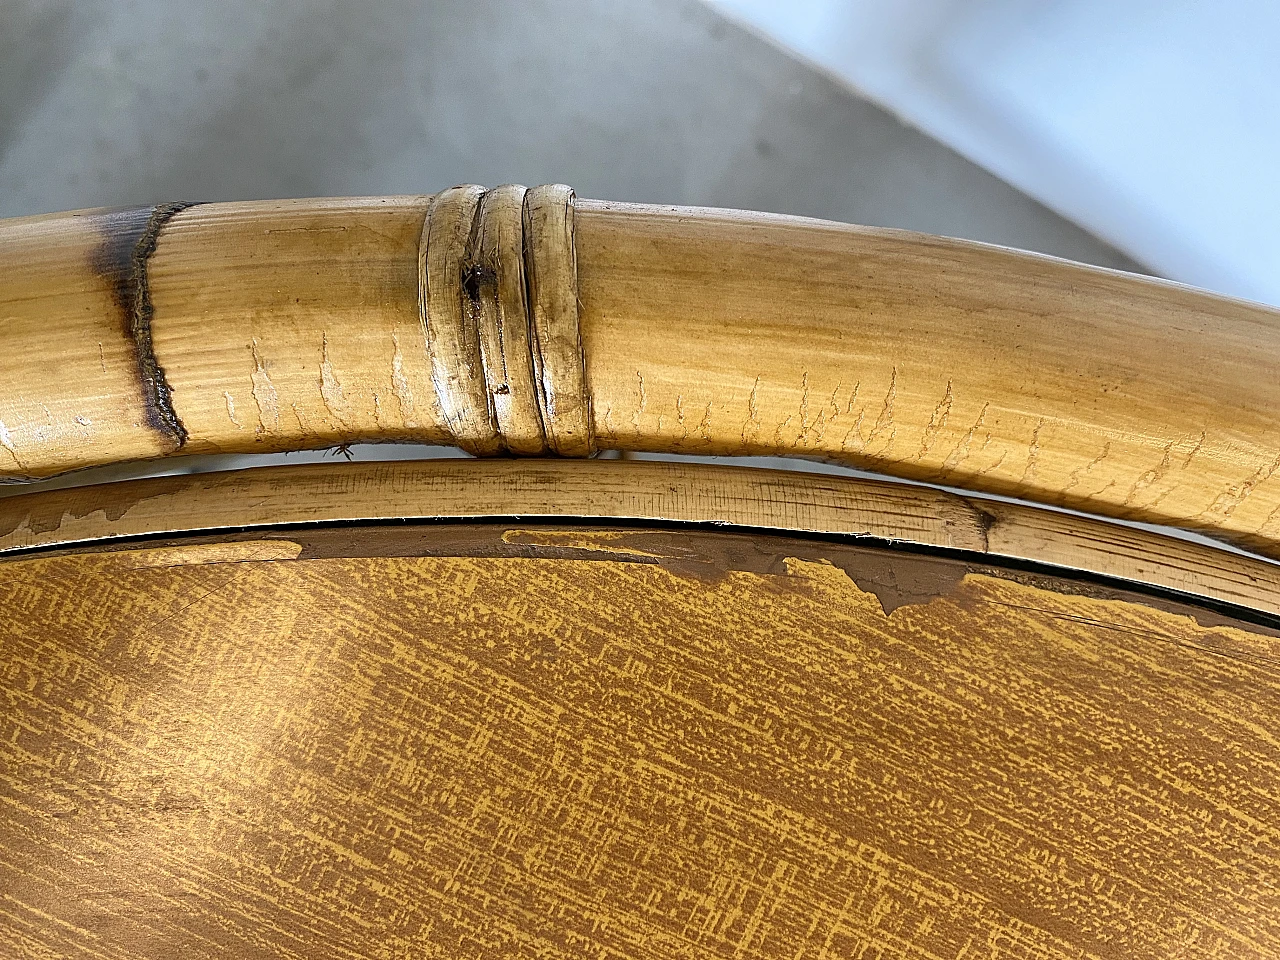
(532, 322)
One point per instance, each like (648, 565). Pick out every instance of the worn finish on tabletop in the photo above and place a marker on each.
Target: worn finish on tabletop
(622, 745)
(688, 493)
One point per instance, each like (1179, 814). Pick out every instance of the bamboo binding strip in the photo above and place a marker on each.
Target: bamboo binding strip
(528, 322)
(498, 300)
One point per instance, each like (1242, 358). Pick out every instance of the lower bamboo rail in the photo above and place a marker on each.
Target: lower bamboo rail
(761, 500)
(529, 322)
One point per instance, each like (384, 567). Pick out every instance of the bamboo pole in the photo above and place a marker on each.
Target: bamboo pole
(254, 327)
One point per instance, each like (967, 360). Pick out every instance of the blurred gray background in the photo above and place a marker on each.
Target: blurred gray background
(122, 102)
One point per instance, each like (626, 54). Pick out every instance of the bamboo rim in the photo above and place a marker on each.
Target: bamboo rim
(518, 321)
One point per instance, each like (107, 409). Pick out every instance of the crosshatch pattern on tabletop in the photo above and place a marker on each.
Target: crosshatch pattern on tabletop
(606, 743)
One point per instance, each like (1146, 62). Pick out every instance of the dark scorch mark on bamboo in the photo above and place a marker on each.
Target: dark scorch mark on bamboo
(130, 238)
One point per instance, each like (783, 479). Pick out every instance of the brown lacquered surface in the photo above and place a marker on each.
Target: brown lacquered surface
(539, 741)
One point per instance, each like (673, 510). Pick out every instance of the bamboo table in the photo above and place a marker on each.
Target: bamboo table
(538, 704)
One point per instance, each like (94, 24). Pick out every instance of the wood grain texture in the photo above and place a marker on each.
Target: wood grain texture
(584, 490)
(272, 326)
(649, 753)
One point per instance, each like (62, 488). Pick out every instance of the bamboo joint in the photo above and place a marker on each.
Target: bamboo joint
(498, 301)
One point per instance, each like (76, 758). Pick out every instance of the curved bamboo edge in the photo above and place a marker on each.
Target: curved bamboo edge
(528, 322)
(781, 501)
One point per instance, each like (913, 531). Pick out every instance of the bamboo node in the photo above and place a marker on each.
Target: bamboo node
(498, 300)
